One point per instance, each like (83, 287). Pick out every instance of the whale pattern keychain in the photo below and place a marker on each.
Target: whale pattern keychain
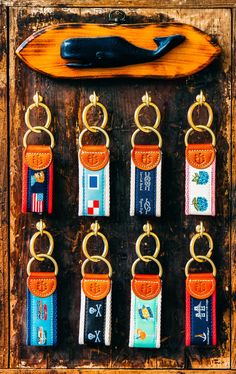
(41, 296)
(95, 307)
(145, 182)
(94, 177)
(200, 297)
(146, 293)
(37, 170)
(200, 169)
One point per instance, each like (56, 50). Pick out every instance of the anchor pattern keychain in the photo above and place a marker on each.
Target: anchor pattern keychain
(146, 160)
(200, 297)
(95, 308)
(146, 293)
(41, 296)
(37, 170)
(94, 175)
(200, 169)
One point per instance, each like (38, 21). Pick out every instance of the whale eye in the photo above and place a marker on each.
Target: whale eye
(99, 55)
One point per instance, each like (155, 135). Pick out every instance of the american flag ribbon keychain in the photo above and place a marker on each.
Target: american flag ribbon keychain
(41, 295)
(200, 166)
(146, 293)
(200, 297)
(95, 306)
(146, 161)
(94, 163)
(37, 169)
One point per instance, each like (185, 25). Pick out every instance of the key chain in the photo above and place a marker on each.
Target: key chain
(94, 175)
(200, 169)
(95, 307)
(146, 291)
(37, 171)
(200, 297)
(145, 181)
(41, 295)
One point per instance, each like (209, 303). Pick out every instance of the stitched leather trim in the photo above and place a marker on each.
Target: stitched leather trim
(200, 156)
(146, 286)
(94, 157)
(201, 285)
(146, 157)
(42, 284)
(96, 286)
(38, 157)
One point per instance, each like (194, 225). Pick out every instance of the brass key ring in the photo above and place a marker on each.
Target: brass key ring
(147, 101)
(96, 259)
(200, 100)
(151, 130)
(147, 232)
(41, 128)
(203, 258)
(148, 259)
(192, 244)
(98, 129)
(32, 243)
(202, 127)
(43, 255)
(94, 101)
(95, 227)
(37, 102)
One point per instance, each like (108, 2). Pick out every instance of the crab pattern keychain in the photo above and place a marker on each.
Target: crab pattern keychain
(37, 170)
(41, 296)
(146, 293)
(200, 169)
(94, 174)
(95, 306)
(146, 160)
(200, 297)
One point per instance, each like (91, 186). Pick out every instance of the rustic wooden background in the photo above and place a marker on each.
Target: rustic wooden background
(66, 99)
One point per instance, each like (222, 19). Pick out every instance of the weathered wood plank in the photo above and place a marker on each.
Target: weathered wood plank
(4, 170)
(66, 99)
(107, 371)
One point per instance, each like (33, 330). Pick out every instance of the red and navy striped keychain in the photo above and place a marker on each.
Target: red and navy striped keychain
(37, 169)
(200, 297)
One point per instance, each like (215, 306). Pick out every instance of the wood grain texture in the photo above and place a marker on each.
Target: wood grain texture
(66, 100)
(112, 371)
(4, 217)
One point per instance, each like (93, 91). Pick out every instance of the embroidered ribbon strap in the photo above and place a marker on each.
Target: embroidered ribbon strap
(41, 309)
(37, 179)
(200, 179)
(95, 309)
(200, 309)
(145, 314)
(145, 189)
(94, 181)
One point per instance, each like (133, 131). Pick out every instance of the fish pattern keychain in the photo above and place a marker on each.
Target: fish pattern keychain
(146, 160)
(95, 306)
(37, 170)
(146, 294)
(41, 296)
(200, 169)
(94, 163)
(200, 297)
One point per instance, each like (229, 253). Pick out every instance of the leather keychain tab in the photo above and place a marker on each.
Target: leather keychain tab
(146, 160)
(200, 166)
(146, 293)
(37, 169)
(200, 297)
(41, 297)
(94, 174)
(95, 307)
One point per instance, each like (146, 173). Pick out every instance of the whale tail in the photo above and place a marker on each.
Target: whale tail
(166, 43)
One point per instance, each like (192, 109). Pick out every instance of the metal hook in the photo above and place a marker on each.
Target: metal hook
(146, 99)
(147, 228)
(200, 98)
(200, 229)
(37, 99)
(94, 98)
(40, 226)
(95, 227)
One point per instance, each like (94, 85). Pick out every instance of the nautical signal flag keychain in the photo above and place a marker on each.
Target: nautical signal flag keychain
(94, 160)
(41, 295)
(146, 160)
(200, 168)
(95, 307)
(200, 297)
(146, 292)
